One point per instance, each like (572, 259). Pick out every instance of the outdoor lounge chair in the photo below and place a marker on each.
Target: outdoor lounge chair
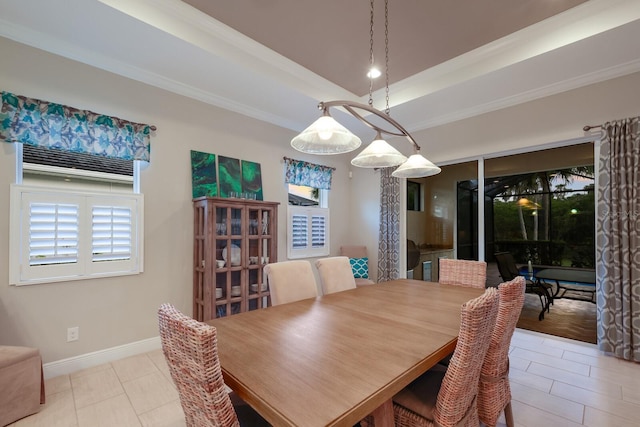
(509, 271)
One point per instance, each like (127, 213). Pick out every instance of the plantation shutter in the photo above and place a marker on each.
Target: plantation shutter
(300, 231)
(318, 230)
(53, 233)
(309, 228)
(111, 233)
(80, 235)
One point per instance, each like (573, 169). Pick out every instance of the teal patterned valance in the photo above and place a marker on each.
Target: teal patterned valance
(303, 173)
(45, 124)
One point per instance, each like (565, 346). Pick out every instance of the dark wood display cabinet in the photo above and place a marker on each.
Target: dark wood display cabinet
(233, 240)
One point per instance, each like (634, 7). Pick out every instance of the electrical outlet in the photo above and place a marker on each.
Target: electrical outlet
(73, 334)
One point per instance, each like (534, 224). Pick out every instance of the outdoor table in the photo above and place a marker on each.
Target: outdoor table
(570, 283)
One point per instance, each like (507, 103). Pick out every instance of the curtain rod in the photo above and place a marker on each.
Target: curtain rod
(587, 128)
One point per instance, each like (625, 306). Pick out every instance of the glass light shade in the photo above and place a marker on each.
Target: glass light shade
(416, 166)
(379, 154)
(326, 136)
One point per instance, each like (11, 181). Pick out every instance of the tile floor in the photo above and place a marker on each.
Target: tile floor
(554, 381)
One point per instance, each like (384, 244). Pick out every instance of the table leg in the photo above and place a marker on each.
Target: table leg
(383, 415)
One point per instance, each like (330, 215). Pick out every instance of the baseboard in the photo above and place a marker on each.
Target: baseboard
(89, 360)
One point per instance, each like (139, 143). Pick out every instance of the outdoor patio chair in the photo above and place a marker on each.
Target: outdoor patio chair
(509, 270)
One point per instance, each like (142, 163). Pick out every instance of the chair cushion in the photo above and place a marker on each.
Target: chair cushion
(360, 267)
(420, 396)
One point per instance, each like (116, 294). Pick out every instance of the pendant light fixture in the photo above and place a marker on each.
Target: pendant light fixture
(327, 136)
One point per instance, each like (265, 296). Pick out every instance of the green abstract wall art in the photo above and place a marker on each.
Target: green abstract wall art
(203, 171)
(252, 179)
(230, 178)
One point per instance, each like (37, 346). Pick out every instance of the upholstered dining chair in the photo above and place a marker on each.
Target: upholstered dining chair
(494, 391)
(191, 351)
(462, 272)
(21, 382)
(447, 397)
(335, 274)
(290, 281)
(359, 259)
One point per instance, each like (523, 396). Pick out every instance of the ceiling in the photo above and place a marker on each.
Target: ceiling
(274, 60)
(335, 44)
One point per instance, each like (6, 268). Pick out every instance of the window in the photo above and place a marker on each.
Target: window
(307, 213)
(73, 223)
(307, 223)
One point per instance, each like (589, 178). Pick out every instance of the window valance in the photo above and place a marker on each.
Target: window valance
(46, 124)
(299, 172)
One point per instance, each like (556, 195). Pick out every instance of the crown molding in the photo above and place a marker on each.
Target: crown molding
(530, 95)
(583, 21)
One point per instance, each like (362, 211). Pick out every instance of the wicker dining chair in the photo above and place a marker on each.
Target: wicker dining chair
(191, 351)
(447, 397)
(290, 281)
(494, 394)
(462, 272)
(335, 274)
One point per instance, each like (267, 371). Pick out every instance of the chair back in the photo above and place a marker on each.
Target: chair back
(191, 351)
(354, 253)
(494, 391)
(506, 266)
(462, 272)
(335, 274)
(290, 281)
(456, 403)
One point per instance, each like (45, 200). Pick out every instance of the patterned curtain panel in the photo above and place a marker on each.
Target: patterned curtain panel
(618, 240)
(298, 172)
(389, 239)
(45, 124)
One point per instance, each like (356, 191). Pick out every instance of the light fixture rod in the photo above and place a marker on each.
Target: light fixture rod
(351, 107)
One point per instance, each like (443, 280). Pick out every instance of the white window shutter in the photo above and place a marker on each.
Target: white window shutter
(111, 233)
(60, 235)
(53, 233)
(308, 229)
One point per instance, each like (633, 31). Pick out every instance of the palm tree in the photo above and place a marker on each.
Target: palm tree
(537, 187)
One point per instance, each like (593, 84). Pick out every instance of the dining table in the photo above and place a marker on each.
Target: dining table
(334, 359)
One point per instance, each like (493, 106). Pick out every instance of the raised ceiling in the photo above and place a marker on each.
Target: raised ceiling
(331, 38)
(273, 60)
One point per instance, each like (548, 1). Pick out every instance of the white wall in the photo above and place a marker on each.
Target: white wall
(116, 311)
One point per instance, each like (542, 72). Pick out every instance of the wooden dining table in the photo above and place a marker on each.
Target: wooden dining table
(334, 359)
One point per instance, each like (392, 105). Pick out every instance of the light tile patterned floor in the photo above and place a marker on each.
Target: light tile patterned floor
(555, 382)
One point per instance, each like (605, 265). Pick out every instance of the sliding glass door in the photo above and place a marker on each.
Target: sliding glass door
(539, 205)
